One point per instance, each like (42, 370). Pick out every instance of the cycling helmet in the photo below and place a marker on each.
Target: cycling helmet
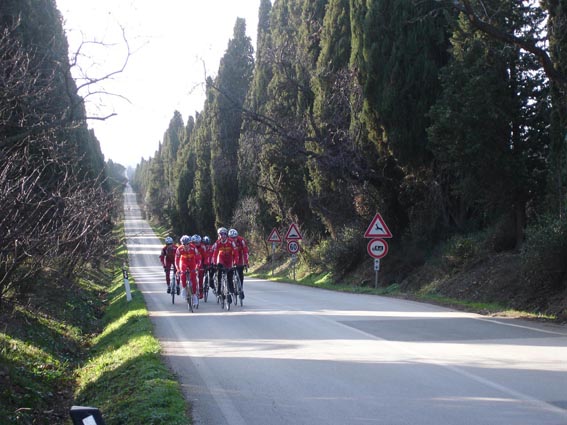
(185, 239)
(222, 230)
(206, 240)
(232, 233)
(196, 239)
(169, 240)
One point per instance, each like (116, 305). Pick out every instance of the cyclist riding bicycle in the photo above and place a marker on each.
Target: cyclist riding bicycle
(167, 259)
(187, 258)
(224, 256)
(242, 258)
(196, 242)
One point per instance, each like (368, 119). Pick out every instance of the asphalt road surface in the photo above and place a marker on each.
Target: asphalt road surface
(298, 355)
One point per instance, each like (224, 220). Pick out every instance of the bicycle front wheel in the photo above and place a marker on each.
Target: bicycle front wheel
(225, 294)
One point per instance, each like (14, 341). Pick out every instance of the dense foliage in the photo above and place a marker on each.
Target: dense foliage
(55, 199)
(444, 116)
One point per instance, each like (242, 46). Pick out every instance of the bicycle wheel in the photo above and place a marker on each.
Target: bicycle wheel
(237, 288)
(189, 292)
(172, 283)
(225, 294)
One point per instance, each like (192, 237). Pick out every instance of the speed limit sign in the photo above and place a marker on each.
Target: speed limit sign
(292, 247)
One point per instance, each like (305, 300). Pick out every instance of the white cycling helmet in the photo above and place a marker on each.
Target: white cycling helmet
(232, 233)
(222, 230)
(185, 239)
(196, 239)
(169, 240)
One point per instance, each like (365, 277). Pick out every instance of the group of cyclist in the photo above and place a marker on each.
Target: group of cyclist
(195, 256)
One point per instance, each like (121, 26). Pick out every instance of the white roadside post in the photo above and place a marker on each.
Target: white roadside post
(377, 248)
(126, 283)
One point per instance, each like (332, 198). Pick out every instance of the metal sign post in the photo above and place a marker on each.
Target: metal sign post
(376, 270)
(273, 254)
(293, 261)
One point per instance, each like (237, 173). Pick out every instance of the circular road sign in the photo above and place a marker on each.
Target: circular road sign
(292, 247)
(377, 248)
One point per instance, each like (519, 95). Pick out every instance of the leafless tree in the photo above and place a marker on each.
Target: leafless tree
(54, 208)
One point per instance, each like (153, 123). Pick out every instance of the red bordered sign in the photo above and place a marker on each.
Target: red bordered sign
(377, 248)
(293, 233)
(274, 236)
(378, 228)
(292, 247)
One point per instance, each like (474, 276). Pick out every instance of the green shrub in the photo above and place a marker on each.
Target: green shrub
(461, 249)
(544, 252)
(343, 254)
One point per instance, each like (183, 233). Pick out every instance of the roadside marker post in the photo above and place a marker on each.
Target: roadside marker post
(126, 283)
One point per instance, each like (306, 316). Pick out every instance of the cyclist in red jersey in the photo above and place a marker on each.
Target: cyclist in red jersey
(187, 258)
(242, 259)
(167, 259)
(196, 242)
(225, 255)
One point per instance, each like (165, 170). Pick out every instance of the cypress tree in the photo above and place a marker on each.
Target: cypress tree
(232, 83)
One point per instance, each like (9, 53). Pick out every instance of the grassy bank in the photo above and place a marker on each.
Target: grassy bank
(83, 343)
(281, 270)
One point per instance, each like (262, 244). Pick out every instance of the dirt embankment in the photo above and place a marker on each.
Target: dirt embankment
(498, 278)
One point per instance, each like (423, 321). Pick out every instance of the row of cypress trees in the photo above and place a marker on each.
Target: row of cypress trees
(410, 108)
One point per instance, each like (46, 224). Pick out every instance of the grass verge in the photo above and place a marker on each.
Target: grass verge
(81, 343)
(125, 376)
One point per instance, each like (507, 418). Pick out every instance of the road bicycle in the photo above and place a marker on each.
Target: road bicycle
(222, 293)
(174, 284)
(189, 292)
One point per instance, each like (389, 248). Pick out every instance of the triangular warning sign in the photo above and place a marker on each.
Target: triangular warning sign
(293, 233)
(274, 236)
(378, 228)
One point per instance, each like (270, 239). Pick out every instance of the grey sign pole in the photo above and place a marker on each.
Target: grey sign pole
(376, 270)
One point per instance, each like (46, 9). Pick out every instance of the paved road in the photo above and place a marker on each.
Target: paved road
(297, 355)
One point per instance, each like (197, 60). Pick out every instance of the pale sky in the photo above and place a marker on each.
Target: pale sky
(174, 44)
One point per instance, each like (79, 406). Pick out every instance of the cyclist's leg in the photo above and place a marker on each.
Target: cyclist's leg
(219, 280)
(167, 277)
(230, 281)
(240, 271)
(183, 275)
(177, 278)
(201, 277)
(213, 280)
(193, 278)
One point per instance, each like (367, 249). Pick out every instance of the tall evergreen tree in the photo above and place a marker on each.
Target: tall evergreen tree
(405, 47)
(330, 193)
(252, 132)
(493, 157)
(232, 83)
(172, 139)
